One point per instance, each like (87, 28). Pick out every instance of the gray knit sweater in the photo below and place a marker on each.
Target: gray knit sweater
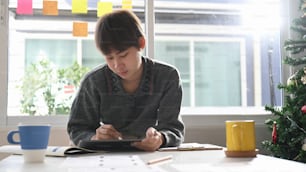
(156, 103)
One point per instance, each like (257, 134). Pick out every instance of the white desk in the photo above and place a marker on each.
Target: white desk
(186, 161)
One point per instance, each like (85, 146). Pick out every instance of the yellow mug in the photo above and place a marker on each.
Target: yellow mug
(240, 135)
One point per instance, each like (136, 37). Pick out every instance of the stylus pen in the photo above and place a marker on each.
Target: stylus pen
(101, 123)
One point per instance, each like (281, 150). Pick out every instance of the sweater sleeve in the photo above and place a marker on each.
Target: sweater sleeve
(170, 123)
(84, 115)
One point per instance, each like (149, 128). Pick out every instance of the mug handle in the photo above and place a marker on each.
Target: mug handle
(236, 137)
(10, 138)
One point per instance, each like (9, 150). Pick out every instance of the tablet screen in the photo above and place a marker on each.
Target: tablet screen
(109, 145)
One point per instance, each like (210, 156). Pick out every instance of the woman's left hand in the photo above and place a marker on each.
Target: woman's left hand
(152, 142)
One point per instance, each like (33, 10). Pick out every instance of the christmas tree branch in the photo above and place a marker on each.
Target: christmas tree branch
(295, 124)
(298, 22)
(294, 61)
(295, 46)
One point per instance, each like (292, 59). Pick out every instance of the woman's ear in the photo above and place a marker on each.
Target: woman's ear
(141, 42)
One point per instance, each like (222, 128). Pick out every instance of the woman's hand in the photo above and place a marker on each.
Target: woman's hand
(106, 132)
(152, 142)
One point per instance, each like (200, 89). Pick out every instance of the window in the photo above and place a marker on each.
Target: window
(61, 52)
(226, 53)
(221, 84)
(90, 55)
(223, 57)
(177, 54)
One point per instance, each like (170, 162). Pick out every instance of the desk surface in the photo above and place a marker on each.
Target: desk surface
(195, 161)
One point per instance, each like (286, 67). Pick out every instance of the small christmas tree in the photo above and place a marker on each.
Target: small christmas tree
(288, 124)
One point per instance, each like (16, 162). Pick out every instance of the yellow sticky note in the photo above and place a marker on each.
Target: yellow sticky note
(127, 4)
(79, 6)
(50, 7)
(80, 29)
(104, 8)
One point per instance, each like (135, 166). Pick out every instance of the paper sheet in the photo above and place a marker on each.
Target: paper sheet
(105, 163)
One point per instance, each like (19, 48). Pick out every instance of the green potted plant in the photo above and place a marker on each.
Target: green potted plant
(47, 90)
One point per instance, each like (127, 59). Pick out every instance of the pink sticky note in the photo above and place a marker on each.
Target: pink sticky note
(24, 7)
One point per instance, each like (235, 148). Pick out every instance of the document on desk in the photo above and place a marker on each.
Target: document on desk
(192, 147)
(111, 163)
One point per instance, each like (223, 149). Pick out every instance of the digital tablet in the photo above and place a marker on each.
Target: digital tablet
(109, 145)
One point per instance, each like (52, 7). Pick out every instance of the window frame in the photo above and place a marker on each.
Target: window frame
(3, 62)
(208, 115)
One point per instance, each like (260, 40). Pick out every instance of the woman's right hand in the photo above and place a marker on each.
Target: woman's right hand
(106, 132)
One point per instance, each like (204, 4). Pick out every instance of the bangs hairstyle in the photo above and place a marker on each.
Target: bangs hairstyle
(118, 30)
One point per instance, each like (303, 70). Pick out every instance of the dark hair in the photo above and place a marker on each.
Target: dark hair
(118, 30)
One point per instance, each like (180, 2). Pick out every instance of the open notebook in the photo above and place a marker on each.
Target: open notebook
(92, 146)
(51, 150)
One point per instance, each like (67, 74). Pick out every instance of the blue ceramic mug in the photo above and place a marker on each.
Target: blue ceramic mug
(31, 136)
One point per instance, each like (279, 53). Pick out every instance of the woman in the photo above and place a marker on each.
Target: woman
(130, 96)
